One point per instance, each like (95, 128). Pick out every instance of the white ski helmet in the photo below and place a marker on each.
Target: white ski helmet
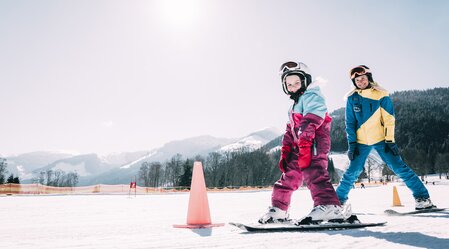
(358, 71)
(295, 68)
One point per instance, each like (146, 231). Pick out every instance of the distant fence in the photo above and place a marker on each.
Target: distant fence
(38, 189)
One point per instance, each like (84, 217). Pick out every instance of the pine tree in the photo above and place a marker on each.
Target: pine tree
(3, 170)
(186, 178)
(387, 172)
(12, 179)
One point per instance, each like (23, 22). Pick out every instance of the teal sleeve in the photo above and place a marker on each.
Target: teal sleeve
(314, 103)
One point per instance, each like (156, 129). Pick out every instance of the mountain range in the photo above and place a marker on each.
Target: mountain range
(120, 168)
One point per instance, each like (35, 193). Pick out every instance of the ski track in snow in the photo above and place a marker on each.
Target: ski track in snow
(145, 221)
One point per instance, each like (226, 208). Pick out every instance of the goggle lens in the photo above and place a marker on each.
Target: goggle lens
(291, 65)
(358, 71)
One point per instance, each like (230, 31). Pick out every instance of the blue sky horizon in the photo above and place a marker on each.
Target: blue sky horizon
(107, 76)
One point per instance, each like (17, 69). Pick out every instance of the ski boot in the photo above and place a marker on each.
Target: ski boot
(423, 203)
(274, 215)
(329, 213)
(347, 213)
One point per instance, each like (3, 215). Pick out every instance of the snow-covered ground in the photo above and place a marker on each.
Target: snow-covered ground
(117, 221)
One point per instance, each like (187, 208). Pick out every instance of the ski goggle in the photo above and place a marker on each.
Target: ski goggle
(289, 66)
(358, 71)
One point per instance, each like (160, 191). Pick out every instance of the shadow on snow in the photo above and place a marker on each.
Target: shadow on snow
(405, 238)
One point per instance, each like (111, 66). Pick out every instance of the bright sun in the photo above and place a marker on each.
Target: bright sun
(179, 13)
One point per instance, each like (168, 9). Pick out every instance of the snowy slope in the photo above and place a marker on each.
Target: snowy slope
(22, 165)
(28, 165)
(201, 145)
(253, 141)
(99, 221)
(116, 168)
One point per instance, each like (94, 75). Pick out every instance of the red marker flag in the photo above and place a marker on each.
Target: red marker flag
(132, 185)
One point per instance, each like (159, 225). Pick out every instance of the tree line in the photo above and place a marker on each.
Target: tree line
(230, 169)
(57, 178)
(4, 171)
(239, 168)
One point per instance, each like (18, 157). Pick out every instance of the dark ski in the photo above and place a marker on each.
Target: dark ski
(288, 227)
(422, 211)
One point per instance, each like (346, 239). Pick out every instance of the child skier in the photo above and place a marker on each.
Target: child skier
(305, 148)
(370, 124)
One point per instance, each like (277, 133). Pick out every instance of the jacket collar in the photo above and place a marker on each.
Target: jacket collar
(374, 86)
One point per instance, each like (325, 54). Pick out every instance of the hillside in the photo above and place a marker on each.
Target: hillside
(121, 167)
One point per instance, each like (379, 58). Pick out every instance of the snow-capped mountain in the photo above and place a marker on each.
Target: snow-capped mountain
(190, 147)
(253, 141)
(121, 167)
(86, 165)
(118, 159)
(201, 145)
(22, 165)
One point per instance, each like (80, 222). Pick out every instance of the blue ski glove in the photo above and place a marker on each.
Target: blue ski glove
(391, 147)
(353, 150)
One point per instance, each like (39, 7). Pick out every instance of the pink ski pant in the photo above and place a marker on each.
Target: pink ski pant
(316, 178)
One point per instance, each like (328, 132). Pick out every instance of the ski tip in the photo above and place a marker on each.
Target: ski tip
(378, 224)
(239, 225)
(421, 211)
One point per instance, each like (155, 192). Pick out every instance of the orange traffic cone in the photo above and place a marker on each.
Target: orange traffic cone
(396, 200)
(198, 215)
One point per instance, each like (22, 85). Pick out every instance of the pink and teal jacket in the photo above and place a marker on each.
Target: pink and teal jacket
(310, 121)
(309, 125)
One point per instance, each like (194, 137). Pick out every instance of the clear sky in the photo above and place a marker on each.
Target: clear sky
(113, 76)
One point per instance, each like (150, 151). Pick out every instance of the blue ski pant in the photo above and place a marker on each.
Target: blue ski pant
(395, 163)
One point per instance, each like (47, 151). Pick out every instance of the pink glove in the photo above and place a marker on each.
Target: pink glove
(285, 152)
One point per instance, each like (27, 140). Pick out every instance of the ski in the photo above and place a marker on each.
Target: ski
(289, 227)
(422, 211)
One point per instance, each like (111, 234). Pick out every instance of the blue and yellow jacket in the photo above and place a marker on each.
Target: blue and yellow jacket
(369, 116)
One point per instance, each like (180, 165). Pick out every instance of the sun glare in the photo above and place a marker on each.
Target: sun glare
(179, 13)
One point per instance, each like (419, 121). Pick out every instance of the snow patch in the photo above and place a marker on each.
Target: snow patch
(273, 150)
(23, 174)
(138, 160)
(250, 143)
